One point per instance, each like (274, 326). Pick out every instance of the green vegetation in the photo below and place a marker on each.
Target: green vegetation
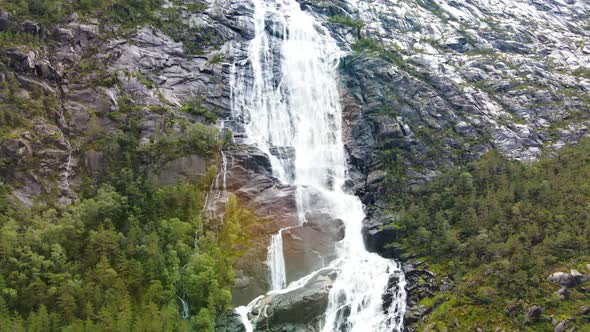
(581, 72)
(216, 59)
(47, 12)
(195, 107)
(367, 44)
(123, 256)
(120, 16)
(347, 21)
(435, 9)
(11, 39)
(498, 228)
(18, 106)
(119, 259)
(196, 139)
(376, 48)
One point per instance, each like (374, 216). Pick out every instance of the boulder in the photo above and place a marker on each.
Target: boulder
(31, 27)
(325, 223)
(563, 293)
(299, 309)
(562, 326)
(533, 314)
(229, 321)
(305, 250)
(568, 280)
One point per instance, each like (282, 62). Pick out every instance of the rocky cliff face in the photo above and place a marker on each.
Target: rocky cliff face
(442, 82)
(425, 84)
(93, 81)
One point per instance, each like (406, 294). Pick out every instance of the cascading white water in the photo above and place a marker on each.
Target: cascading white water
(243, 312)
(286, 93)
(276, 262)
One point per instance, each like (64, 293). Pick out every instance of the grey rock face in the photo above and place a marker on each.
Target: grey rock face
(180, 169)
(299, 309)
(460, 79)
(36, 157)
(148, 68)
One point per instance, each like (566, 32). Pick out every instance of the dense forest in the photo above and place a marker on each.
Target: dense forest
(124, 258)
(128, 254)
(498, 228)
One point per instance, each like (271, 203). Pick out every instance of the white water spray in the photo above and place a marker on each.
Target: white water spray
(286, 93)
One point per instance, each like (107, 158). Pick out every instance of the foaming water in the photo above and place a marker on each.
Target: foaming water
(286, 95)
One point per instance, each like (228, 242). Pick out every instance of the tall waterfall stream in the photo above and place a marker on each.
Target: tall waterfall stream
(286, 94)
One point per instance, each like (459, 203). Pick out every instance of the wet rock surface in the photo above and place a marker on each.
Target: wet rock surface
(308, 244)
(248, 175)
(229, 321)
(297, 310)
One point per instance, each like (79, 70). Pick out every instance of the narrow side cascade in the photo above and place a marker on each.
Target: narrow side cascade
(276, 262)
(285, 93)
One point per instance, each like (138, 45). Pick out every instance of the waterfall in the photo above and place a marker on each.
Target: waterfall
(185, 310)
(217, 193)
(243, 312)
(286, 95)
(276, 262)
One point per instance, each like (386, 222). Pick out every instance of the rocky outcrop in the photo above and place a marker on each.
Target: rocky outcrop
(379, 235)
(296, 309)
(308, 244)
(229, 321)
(312, 245)
(40, 162)
(420, 283)
(567, 281)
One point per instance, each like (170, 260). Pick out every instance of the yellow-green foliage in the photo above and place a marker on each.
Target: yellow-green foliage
(119, 259)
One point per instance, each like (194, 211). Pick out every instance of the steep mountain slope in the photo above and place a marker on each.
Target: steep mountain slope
(131, 95)
(433, 85)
